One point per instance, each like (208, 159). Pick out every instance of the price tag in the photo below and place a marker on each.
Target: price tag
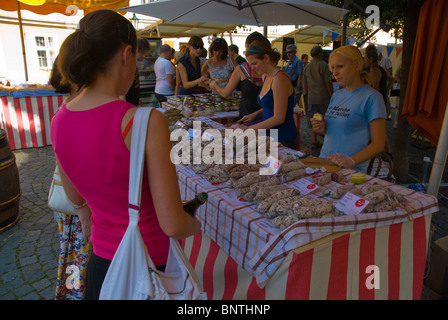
(271, 167)
(179, 124)
(304, 186)
(207, 136)
(194, 133)
(351, 204)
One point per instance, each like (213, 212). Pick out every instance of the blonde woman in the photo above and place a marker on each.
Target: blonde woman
(355, 121)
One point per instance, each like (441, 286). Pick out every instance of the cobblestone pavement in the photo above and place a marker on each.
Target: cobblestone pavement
(29, 250)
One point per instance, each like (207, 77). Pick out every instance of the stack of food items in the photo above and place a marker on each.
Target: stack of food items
(276, 197)
(201, 105)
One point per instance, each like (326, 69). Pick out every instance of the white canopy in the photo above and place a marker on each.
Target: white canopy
(247, 12)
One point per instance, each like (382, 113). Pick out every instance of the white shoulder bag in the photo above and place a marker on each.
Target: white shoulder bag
(57, 199)
(132, 274)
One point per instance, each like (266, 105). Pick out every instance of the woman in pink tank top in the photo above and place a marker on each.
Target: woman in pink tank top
(92, 147)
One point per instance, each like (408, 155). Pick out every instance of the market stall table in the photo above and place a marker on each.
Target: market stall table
(240, 255)
(26, 114)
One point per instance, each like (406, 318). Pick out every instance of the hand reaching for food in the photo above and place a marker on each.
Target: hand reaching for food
(342, 160)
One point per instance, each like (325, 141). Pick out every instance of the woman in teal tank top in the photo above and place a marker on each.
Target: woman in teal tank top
(276, 96)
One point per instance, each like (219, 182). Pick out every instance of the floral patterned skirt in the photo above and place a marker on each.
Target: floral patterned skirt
(74, 254)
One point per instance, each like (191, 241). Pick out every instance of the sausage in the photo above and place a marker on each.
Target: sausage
(292, 175)
(377, 196)
(266, 204)
(322, 180)
(340, 191)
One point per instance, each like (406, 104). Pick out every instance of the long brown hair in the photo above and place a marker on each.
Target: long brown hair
(260, 48)
(87, 52)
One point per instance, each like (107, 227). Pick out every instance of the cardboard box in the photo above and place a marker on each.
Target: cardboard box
(437, 278)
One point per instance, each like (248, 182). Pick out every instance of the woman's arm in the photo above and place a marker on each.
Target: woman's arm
(236, 77)
(176, 89)
(79, 203)
(183, 75)
(163, 181)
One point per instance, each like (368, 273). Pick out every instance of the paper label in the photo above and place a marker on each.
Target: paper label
(194, 133)
(351, 204)
(271, 167)
(207, 136)
(304, 186)
(179, 124)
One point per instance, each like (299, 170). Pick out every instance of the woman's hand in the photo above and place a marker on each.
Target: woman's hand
(238, 126)
(342, 160)
(248, 118)
(212, 84)
(84, 215)
(318, 126)
(203, 78)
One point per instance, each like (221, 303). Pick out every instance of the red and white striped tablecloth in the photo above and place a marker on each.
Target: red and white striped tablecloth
(237, 231)
(337, 268)
(27, 120)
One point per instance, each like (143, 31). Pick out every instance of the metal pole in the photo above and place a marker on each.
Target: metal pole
(439, 159)
(347, 4)
(22, 40)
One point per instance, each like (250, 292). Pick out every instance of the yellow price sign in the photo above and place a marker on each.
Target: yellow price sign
(33, 2)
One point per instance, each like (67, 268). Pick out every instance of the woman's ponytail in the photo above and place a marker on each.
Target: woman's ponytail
(87, 52)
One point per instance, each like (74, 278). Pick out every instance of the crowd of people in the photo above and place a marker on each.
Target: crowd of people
(96, 66)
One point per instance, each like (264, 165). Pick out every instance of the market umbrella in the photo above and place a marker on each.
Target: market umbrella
(248, 12)
(66, 7)
(426, 94)
(62, 6)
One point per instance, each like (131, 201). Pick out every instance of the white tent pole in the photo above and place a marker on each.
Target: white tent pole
(22, 40)
(439, 158)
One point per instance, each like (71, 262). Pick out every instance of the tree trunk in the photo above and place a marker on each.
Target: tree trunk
(404, 129)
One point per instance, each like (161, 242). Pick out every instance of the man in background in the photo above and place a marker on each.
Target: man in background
(317, 83)
(165, 74)
(233, 53)
(294, 69)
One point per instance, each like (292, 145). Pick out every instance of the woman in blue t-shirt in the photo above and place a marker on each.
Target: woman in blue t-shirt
(355, 121)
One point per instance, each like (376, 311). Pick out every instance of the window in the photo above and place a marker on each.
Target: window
(45, 51)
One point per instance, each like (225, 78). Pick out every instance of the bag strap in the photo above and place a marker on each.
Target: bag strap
(138, 142)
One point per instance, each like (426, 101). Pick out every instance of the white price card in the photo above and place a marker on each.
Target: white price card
(194, 133)
(304, 186)
(271, 167)
(179, 124)
(351, 204)
(207, 136)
